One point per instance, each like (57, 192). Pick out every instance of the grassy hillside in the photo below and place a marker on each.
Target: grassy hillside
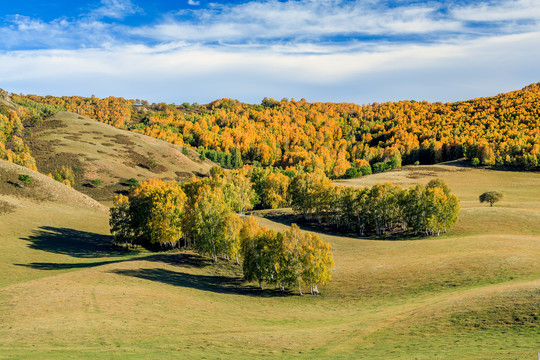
(103, 153)
(469, 294)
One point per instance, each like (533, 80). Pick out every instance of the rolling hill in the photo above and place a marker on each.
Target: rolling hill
(97, 151)
(66, 291)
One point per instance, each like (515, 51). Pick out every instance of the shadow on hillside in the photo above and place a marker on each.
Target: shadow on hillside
(462, 163)
(66, 266)
(74, 243)
(179, 259)
(212, 283)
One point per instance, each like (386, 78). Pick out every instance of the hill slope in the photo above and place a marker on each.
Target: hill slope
(97, 151)
(44, 206)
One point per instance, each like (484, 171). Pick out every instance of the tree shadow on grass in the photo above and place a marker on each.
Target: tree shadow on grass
(184, 259)
(66, 266)
(212, 283)
(177, 259)
(76, 243)
(314, 227)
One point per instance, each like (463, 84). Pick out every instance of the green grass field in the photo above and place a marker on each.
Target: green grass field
(473, 293)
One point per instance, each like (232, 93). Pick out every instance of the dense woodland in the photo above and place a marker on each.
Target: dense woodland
(341, 139)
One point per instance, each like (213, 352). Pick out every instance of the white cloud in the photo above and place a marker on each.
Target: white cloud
(115, 9)
(499, 11)
(278, 49)
(193, 2)
(273, 19)
(194, 73)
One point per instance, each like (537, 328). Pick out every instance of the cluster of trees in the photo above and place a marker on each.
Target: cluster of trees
(112, 110)
(423, 209)
(65, 175)
(287, 258)
(36, 111)
(334, 137)
(204, 214)
(12, 146)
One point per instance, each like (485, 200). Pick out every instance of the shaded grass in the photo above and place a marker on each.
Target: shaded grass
(75, 243)
(221, 284)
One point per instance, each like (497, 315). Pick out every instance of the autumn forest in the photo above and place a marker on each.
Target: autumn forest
(337, 138)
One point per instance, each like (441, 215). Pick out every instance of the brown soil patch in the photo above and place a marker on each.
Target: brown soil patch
(120, 139)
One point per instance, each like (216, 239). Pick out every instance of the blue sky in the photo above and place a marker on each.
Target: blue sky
(322, 50)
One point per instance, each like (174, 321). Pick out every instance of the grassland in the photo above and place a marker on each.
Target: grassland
(473, 293)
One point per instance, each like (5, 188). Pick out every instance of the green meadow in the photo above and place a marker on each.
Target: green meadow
(473, 293)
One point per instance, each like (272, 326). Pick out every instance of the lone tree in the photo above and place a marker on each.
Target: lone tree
(491, 197)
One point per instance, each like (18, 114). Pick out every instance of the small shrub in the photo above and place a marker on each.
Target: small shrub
(132, 182)
(25, 179)
(65, 173)
(416, 163)
(96, 182)
(185, 150)
(380, 167)
(351, 173)
(152, 163)
(475, 161)
(365, 170)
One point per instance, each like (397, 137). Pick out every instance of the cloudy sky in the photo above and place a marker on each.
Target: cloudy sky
(322, 50)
